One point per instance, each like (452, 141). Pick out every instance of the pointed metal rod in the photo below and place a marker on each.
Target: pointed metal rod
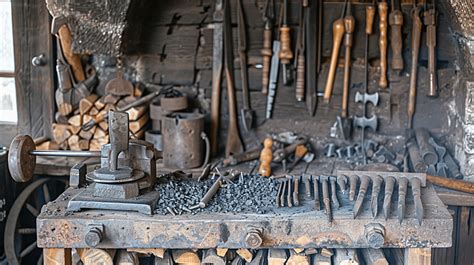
(416, 190)
(342, 182)
(335, 201)
(352, 186)
(326, 200)
(296, 187)
(289, 195)
(387, 200)
(282, 196)
(364, 184)
(402, 192)
(374, 201)
(317, 204)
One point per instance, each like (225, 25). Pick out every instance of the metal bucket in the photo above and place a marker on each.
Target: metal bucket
(183, 146)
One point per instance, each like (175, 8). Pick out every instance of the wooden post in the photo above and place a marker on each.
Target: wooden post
(418, 256)
(56, 256)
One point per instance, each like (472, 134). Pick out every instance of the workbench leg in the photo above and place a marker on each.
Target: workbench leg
(418, 256)
(56, 256)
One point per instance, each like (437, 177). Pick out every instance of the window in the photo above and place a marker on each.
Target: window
(8, 107)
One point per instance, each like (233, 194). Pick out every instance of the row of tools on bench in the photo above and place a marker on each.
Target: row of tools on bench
(326, 187)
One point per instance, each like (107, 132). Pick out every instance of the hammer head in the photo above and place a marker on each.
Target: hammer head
(57, 23)
(365, 97)
(364, 122)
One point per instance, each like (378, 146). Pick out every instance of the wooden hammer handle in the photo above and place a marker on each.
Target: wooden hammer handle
(338, 32)
(266, 54)
(396, 23)
(453, 184)
(300, 76)
(74, 60)
(369, 19)
(383, 9)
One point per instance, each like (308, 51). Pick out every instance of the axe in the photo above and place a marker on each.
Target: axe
(366, 97)
(364, 122)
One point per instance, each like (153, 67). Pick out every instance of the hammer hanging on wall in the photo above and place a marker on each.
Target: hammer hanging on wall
(337, 34)
(234, 143)
(396, 42)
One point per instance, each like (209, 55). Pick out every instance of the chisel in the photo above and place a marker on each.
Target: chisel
(416, 190)
(364, 184)
(374, 200)
(402, 192)
(387, 200)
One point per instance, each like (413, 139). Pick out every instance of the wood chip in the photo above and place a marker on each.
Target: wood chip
(245, 254)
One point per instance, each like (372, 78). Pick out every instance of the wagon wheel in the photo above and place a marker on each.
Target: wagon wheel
(20, 235)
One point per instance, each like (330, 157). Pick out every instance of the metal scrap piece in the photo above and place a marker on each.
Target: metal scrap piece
(289, 194)
(296, 185)
(317, 204)
(282, 195)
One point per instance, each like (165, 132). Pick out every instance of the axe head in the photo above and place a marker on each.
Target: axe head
(365, 97)
(57, 23)
(364, 122)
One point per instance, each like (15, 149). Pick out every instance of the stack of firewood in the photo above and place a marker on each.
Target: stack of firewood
(69, 135)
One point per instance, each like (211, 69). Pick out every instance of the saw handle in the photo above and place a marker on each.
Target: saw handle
(267, 55)
(338, 32)
(74, 60)
(396, 43)
(383, 9)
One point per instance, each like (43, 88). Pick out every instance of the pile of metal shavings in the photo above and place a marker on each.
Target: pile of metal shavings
(244, 194)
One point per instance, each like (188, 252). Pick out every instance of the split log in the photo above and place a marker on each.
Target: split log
(104, 125)
(87, 103)
(186, 257)
(298, 250)
(245, 254)
(221, 251)
(319, 259)
(84, 144)
(298, 259)
(99, 133)
(75, 121)
(59, 118)
(277, 256)
(99, 104)
(48, 145)
(94, 145)
(108, 107)
(63, 145)
(125, 101)
(136, 126)
(96, 256)
(64, 108)
(86, 118)
(93, 111)
(87, 134)
(346, 256)
(327, 252)
(140, 134)
(311, 251)
(136, 112)
(74, 129)
(210, 256)
(374, 256)
(73, 143)
(60, 133)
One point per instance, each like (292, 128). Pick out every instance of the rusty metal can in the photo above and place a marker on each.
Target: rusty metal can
(183, 146)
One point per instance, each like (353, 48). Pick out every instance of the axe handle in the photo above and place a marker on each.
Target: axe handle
(383, 9)
(74, 60)
(453, 184)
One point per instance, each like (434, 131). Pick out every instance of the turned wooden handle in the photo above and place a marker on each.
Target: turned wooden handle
(453, 184)
(430, 22)
(349, 25)
(286, 54)
(267, 55)
(369, 19)
(266, 157)
(300, 76)
(74, 60)
(396, 42)
(383, 9)
(338, 32)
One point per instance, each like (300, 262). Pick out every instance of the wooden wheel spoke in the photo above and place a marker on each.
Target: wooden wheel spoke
(47, 195)
(28, 250)
(26, 231)
(32, 209)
